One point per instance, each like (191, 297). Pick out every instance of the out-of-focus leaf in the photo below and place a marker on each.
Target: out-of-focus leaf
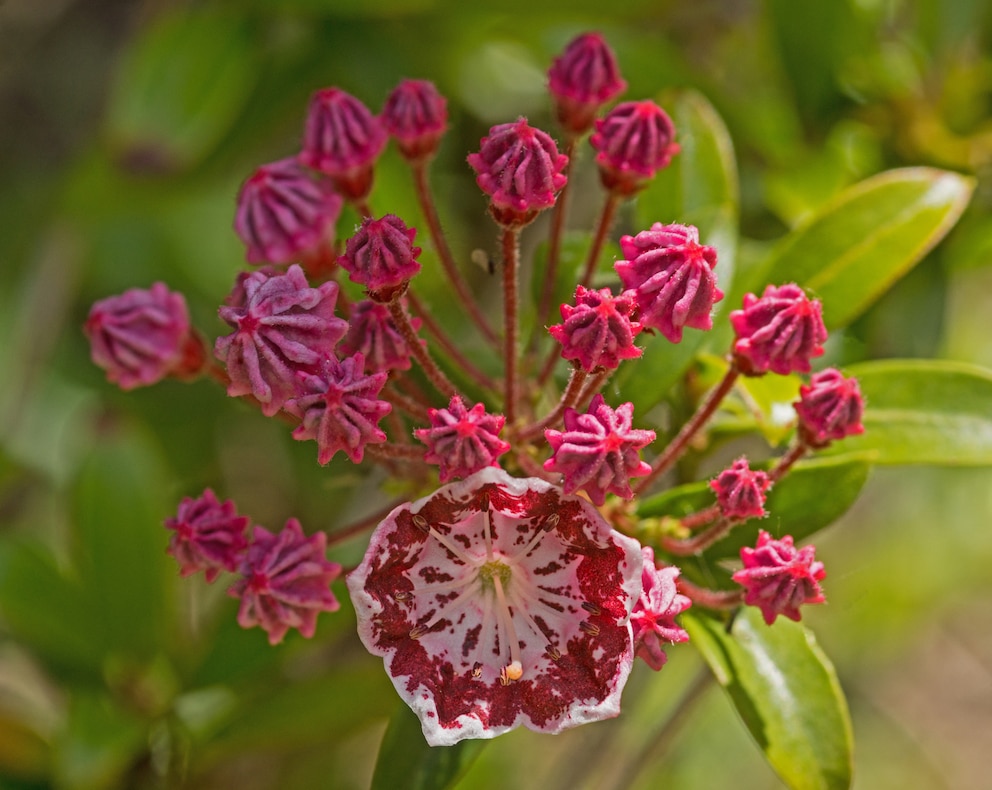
(23, 752)
(406, 760)
(924, 412)
(786, 692)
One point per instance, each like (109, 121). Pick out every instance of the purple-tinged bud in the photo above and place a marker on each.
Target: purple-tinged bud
(778, 578)
(781, 332)
(462, 441)
(599, 451)
(342, 139)
(582, 79)
(285, 582)
(340, 408)
(283, 327)
(285, 212)
(143, 335)
(416, 116)
(598, 331)
(208, 535)
(653, 616)
(740, 492)
(520, 168)
(829, 407)
(381, 256)
(635, 140)
(372, 332)
(671, 275)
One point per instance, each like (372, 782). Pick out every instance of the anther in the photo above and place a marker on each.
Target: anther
(590, 628)
(421, 523)
(551, 522)
(418, 631)
(401, 596)
(591, 608)
(477, 670)
(552, 652)
(512, 671)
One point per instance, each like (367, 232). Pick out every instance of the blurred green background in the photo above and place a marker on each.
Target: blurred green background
(125, 130)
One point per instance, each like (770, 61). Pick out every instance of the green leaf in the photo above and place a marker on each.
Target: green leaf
(869, 237)
(405, 759)
(924, 412)
(787, 693)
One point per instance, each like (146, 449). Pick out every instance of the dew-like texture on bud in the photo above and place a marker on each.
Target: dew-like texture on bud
(829, 407)
(597, 331)
(461, 440)
(416, 116)
(740, 491)
(140, 336)
(285, 211)
(599, 451)
(634, 141)
(285, 581)
(372, 332)
(779, 332)
(671, 275)
(520, 168)
(582, 79)
(779, 578)
(282, 327)
(653, 616)
(340, 409)
(381, 256)
(208, 535)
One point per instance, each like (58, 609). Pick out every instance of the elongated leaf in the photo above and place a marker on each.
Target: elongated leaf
(787, 693)
(405, 759)
(924, 412)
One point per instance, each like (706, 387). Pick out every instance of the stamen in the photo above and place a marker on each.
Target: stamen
(401, 596)
(477, 670)
(503, 612)
(488, 533)
(590, 628)
(450, 546)
(552, 652)
(542, 530)
(421, 523)
(591, 608)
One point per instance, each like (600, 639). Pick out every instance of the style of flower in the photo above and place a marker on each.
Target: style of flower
(381, 256)
(142, 335)
(781, 331)
(285, 582)
(635, 140)
(778, 578)
(283, 327)
(416, 116)
(598, 331)
(208, 535)
(339, 408)
(372, 332)
(599, 451)
(653, 617)
(285, 212)
(740, 491)
(671, 275)
(829, 407)
(461, 440)
(582, 79)
(497, 602)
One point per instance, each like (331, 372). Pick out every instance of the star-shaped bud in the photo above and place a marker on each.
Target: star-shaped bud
(416, 115)
(653, 617)
(598, 331)
(740, 492)
(635, 140)
(829, 407)
(497, 602)
(779, 578)
(285, 582)
(462, 441)
(283, 327)
(599, 451)
(381, 256)
(671, 275)
(582, 79)
(372, 332)
(208, 535)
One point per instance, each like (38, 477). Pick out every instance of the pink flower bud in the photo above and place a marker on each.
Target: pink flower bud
(779, 332)
(599, 451)
(381, 256)
(141, 336)
(829, 407)
(671, 275)
(653, 617)
(462, 441)
(208, 536)
(520, 168)
(416, 115)
(779, 578)
(635, 140)
(372, 332)
(582, 79)
(598, 331)
(340, 408)
(285, 582)
(740, 492)
(284, 212)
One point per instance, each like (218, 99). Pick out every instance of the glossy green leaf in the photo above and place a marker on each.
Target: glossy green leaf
(924, 412)
(869, 237)
(786, 692)
(406, 760)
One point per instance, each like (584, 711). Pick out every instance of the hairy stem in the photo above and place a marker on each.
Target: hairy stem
(554, 241)
(602, 229)
(568, 398)
(418, 352)
(362, 525)
(511, 266)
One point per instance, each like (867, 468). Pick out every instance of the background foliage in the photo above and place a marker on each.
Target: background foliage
(126, 130)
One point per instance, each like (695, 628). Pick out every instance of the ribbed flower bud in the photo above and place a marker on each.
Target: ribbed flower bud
(740, 491)
(372, 332)
(381, 256)
(781, 331)
(598, 331)
(829, 408)
(207, 535)
(779, 578)
(582, 79)
(653, 617)
(462, 441)
(416, 116)
(635, 140)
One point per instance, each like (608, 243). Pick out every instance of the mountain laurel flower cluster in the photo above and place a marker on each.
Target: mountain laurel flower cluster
(532, 556)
